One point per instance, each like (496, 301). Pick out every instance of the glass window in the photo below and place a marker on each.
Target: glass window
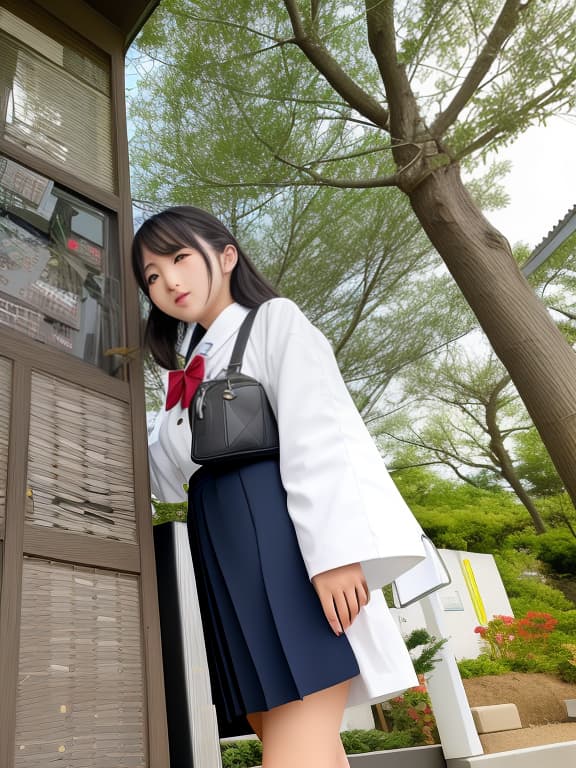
(55, 102)
(59, 270)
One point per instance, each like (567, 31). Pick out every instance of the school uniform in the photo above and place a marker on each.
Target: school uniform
(261, 531)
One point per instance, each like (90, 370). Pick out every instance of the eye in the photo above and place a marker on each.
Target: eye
(179, 257)
(151, 279)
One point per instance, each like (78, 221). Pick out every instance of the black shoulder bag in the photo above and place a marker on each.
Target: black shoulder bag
(230, 416)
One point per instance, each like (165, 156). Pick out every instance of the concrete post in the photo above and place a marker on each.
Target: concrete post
(451, 709)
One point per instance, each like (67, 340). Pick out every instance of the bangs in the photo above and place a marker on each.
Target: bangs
(164, 235)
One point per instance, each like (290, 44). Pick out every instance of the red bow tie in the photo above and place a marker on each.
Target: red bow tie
(183, 384)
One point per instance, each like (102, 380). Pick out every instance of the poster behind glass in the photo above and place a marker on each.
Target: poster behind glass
(59, 279)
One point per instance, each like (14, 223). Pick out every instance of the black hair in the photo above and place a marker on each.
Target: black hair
(166, 233)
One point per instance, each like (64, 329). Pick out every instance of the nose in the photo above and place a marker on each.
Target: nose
(171, 278)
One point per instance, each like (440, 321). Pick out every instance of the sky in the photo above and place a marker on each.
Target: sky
(541, 183)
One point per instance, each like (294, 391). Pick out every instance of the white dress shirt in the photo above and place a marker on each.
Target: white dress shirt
(343, 503)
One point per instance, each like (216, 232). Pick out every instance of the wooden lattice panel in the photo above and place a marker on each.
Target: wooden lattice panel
(80, 688)
(80, 461)
(5, 398)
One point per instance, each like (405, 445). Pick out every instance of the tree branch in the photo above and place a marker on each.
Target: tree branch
(350, 155)
(440, 452)
(394, 468)
(461, 475)
(342, 83)
(569, 315)
(316, 178)
(384, 181)
(358, 314)
(507, 432)
(504, 26)
(480, 142)
(540, 101)
(386, 372)
(346, 119)
(324, 103)
(314, 10)
(226, 22)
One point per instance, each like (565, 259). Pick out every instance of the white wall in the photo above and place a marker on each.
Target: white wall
(459, 615)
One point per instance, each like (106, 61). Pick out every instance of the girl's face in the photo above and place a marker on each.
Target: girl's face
(179, 284)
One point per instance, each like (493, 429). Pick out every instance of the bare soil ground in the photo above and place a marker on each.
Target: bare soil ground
(540, 702)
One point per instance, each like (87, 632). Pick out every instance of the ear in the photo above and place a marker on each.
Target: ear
(228, 258)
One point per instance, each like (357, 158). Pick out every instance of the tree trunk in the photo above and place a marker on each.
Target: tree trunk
(509, 474)
(503, 458)
(541, 363)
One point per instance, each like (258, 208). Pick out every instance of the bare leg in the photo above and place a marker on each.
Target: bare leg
(306, 733)
(342, 760)
(255, 721)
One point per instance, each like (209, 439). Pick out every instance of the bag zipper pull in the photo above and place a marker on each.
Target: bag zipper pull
(200, 403)
(228, 393)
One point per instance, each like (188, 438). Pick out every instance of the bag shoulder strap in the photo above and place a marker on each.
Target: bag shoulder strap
(235, 363)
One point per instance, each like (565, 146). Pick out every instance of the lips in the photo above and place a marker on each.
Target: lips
(180, 298)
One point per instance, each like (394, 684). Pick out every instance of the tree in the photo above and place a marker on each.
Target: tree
(497, 68)
(357, 262)
(534, 465)
(472, 411)
(541, 480)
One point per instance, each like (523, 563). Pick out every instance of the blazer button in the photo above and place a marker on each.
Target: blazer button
(179, 421)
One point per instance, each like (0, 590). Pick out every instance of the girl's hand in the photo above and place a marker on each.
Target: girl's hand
(342, 592)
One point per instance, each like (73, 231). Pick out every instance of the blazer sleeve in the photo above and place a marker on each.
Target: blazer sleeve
(341, 499)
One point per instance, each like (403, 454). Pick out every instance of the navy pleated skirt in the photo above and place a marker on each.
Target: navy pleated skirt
(267, 639)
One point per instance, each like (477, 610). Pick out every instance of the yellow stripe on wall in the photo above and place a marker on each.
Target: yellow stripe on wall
(477, 601)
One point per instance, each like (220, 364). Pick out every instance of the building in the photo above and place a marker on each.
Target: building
(79, 629)
(550, 244)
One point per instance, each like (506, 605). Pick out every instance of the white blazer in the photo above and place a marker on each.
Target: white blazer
(341, 499)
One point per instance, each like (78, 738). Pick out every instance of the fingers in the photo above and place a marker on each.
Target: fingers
(363, 595)
(343, 592)
(366, 591)
(327, 602)
(342, 607)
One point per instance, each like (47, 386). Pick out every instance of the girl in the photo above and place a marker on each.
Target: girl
(289, 554)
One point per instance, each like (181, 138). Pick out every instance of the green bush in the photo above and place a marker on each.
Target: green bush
(245, 754)
(241, 754)
(359, 741)
(530, 643)
(556, 548)
(528, 593)
(428, 646)
(535, 663)
(483, 665)
(411, 713)
(567, 623)
(567, 671)
(480, 527)
(165, 512)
